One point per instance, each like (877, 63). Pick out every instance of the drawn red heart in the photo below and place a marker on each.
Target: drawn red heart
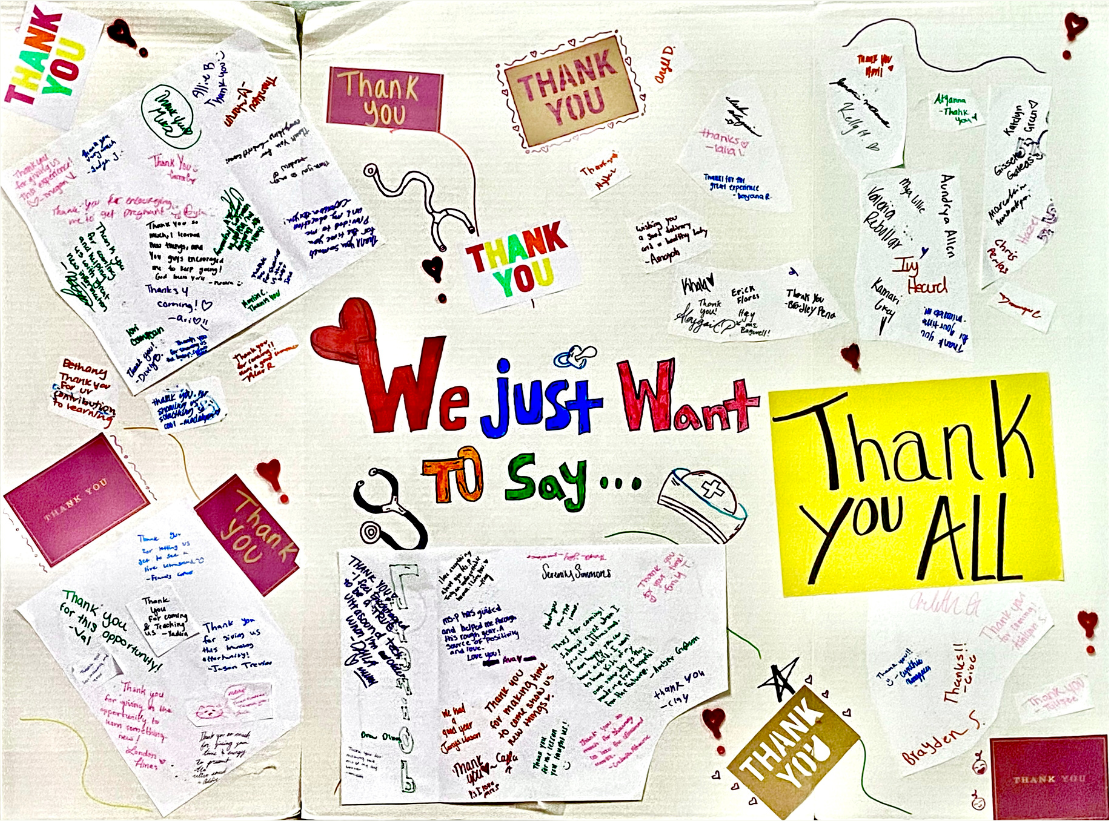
(572, 42)
(824, 694)
(713, 719)
(715, 775)
(1088, 622)
(534, 53)
(808, 680)
(504, 91)
(752, 802)
(270, 471)
(356, 328)
(847, 713)
(1075, 25)
(735, 786)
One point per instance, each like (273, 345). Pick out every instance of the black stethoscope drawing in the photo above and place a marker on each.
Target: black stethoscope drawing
(371, 531)
(437, 214)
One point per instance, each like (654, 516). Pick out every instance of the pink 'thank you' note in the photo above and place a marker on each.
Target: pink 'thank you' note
(1053, 777)
(76, 500)
(249, 534)
(384, 98)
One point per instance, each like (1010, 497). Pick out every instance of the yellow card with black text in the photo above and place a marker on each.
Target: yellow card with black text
(916, 484)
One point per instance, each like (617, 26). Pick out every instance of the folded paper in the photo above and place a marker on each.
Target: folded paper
(217, 203)
(518, 674)
(196, 627)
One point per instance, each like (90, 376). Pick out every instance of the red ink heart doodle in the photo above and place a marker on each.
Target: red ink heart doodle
(713, 719)
(824, 694)
(808, 679)
(504, 91)
(434, 268)
(715, 776)
(1088, 622)
(735, 786)
(753, 801)
(270, 471)
(120, 33)
(1075, 25)
(847, 713)
(535, 54)
(572, 41)
(628, 60)
(851, 355)
(356, 329)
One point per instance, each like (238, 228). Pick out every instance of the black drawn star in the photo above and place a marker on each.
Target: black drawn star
(779, 679)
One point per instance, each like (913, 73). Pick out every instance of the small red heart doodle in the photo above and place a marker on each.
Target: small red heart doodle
(824, 694)
(535, 54)
(713, 719)
(504, 91)
(1088, 622)
(808, 679)
(851, 355)
(735, 786)
(1075, 25)
(753, 801)
(715, 776)
(270, 471)
(847, 713)
(572, 41)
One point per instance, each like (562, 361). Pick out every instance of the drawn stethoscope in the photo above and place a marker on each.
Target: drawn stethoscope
(437, 214)
(371, 531)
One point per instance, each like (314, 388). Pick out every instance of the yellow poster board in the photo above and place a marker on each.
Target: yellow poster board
(916, 484)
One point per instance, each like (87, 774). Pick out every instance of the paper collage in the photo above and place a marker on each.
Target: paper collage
(910, 277)
(355, 382)
(170, 610)
(938, 662)
(1020, 214)
(189, 211)
(502, 674)
(732, 154)
(728, 306)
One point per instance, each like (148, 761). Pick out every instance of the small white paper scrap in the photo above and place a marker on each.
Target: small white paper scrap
(600, 172)
(1033, 310)
(189, 405)
(954, 110)
(85, 392)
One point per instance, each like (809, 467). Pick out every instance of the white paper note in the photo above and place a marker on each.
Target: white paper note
(145, 709)
(667, 60)
(85, 392)
(518, 674)
(954, 109)
(1033, 310)
(599, 172)
(1020, 215)
(865, 93)
(1063, 697)
(938, 661)
(729, 306)
(162, 618)
(910, 272)
(94, 669)
(669, 235)
(205, 204)
(189, 405)
(52, 54)
(732, 154)
(260, 356)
